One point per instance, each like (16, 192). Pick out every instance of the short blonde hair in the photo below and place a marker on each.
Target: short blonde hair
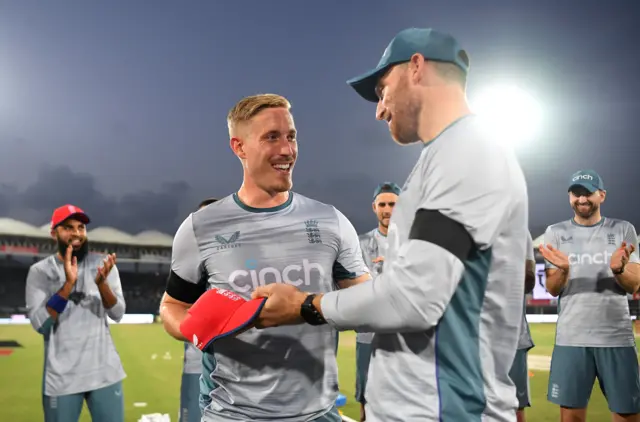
(451, 72)
(248, 107)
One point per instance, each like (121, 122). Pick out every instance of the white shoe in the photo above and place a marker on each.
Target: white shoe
(155, 417)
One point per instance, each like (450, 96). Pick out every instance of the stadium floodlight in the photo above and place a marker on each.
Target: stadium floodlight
(511, 114)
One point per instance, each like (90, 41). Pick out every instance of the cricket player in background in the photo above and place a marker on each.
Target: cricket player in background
(264, 233)
(69, 296)
(447, 308)
(591, 265)
(519, 372)
(192, 368)
(374, 248)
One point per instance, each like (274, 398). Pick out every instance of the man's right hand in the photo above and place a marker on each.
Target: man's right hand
(555, 257)
(363, 414)
(70, 266)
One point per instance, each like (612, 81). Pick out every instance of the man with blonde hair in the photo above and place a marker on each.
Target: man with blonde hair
(262, 234)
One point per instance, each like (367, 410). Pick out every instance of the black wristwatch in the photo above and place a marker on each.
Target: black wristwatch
(618, 272)
(309, 313)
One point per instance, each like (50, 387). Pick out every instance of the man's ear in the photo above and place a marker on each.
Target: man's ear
(603, 195)
(373, 206)
(416, 67)
(237, 146)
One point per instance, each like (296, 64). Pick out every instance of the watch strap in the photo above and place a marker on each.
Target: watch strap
(309, 313)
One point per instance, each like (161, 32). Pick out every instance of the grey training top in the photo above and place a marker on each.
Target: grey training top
(286, 373)
(373, 244)
(593, 310)
(446, 327)
(80, 355)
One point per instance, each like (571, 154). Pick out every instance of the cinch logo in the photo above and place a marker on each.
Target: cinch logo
(583, 177)
(296, 275)
(588, 258)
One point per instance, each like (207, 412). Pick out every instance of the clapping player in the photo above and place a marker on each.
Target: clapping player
(69, 296)
(591, 265)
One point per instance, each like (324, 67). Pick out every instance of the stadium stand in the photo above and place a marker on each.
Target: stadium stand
(143, 262)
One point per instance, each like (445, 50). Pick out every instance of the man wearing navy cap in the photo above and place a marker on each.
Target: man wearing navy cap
(69, 296)
(374, 247)
(591, 265)
(447, 309)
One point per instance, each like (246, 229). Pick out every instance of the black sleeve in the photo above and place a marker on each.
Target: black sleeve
(183, 290)
(434, 227)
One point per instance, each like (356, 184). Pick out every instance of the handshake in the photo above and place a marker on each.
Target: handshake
(221, 313)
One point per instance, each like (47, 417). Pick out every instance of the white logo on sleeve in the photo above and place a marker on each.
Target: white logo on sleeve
(195, 340)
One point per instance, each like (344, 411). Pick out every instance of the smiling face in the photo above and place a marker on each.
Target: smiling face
(419, 98)
(267, 146)
(71, 232)
(398, 105)
(585, 204)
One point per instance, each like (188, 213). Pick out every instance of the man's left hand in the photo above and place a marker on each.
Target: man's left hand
(282, 307)
(620, 257)
(105, 268)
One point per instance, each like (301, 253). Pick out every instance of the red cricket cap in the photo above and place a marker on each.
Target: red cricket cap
(67, 211)
(218, 313)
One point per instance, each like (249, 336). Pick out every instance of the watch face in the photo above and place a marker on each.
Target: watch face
(307, 306)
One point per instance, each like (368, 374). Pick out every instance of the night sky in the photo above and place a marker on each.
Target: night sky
(119, 107)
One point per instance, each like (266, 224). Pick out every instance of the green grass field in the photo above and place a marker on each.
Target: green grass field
(153, 361)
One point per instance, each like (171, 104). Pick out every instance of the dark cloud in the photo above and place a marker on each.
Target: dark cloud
(162, 210)
(56, 186)
(5, 199)
(159, 210)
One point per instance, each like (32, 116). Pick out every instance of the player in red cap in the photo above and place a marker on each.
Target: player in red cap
(69, 296)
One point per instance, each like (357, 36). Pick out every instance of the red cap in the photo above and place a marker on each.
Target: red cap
(218, 313)
(67, 211)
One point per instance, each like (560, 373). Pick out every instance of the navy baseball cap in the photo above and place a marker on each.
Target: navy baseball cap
(588, 179)
(432, 44)
(386, 187)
